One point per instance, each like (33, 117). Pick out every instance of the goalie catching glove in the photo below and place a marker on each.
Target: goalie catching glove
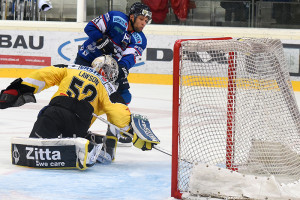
(143, 136)
(16, 94)
(140, 132)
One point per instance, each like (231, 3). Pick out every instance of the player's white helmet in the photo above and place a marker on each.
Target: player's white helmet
(106, 66)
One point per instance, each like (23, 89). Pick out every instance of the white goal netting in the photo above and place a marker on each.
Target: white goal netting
(237, 110)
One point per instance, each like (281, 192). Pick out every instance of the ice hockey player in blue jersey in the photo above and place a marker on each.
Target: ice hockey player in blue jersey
(119, 35)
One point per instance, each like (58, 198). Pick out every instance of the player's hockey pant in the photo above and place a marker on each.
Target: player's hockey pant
(63, 117)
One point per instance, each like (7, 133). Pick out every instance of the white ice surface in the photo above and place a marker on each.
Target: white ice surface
(135, 175)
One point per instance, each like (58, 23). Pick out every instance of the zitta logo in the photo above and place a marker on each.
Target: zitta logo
(40, 154)
(16, 155)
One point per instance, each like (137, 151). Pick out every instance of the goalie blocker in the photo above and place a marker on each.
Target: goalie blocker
(55, 153)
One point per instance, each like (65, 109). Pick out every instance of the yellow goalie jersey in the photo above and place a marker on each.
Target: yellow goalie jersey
(82, 83)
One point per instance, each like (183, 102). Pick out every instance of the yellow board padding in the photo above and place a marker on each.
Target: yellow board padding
(296, 85)
(14, 72)
(159, 79)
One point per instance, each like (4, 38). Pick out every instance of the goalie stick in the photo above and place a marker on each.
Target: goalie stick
(129, 134)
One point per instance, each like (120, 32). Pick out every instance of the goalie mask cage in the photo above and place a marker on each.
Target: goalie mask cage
(234, 109)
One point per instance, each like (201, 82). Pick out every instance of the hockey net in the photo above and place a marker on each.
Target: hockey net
(234, 110)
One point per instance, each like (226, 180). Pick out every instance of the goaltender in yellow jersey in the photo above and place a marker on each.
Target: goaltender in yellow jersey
(82, 83)
(81, 92)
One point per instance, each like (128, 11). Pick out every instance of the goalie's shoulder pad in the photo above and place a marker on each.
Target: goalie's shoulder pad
(141, 126)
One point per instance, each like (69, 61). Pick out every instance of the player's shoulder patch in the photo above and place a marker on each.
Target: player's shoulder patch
(108, 86)
(120, 20)
(139, 38)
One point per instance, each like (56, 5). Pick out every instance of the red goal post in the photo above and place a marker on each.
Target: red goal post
(176, 62)
(234, 108)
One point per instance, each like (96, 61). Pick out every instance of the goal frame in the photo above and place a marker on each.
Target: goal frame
(175, 115)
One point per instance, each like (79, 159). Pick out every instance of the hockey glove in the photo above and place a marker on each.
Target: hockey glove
(16, 94)
(143, 137)
(106, 46)
(123, 84)
(123, 72)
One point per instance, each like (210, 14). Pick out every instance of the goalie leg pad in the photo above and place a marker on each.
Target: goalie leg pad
(64, 153)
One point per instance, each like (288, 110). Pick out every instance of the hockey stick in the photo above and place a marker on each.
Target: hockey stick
(129, 134)
(108, 123)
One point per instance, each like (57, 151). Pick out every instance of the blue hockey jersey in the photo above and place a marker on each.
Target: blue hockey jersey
(113, 24)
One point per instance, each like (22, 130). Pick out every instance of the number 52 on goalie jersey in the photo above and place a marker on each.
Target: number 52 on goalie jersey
(82, 83)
